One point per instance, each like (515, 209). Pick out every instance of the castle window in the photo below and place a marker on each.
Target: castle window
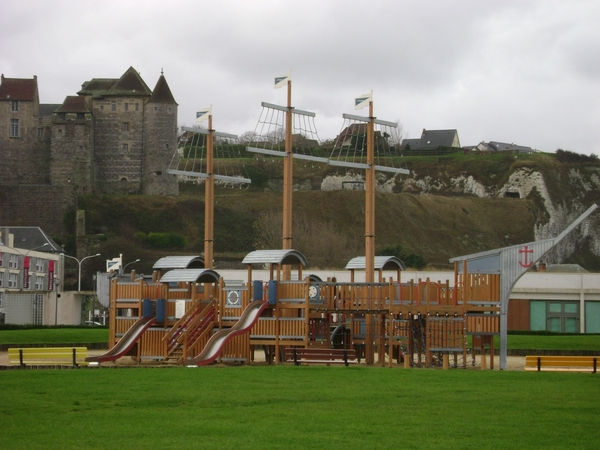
(137, 106)
(125, 147)
(40, 121)
(40, 132)
(62, 116)
(113, 106)
(155, 108)
(169, 109)
(15, 106)
(14, 127)
(126, 106)
(80, 116)
(125, 125)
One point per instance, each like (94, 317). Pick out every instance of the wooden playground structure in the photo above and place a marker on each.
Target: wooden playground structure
(187, 314)
(416, 323)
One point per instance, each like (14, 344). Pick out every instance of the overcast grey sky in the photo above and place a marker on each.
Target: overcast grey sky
(520, 71)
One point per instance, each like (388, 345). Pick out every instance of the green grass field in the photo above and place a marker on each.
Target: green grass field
(297, 407)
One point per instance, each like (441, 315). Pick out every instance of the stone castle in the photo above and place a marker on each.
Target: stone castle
(116, 136)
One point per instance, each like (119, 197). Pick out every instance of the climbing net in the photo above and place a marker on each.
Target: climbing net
(270, 135)
(189, 161)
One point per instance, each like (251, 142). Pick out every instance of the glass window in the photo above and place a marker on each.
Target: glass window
(39, 265)
(13, 261)
(15, 105)
(592, 317)
(554, 307)
(40, 132)
(80, 116)
(39, 283)
(137, 107)
(125, 148)
(537, 316)
(113, 106)
(14, 127)
(125, 126)
(126, 106)
(12, 280)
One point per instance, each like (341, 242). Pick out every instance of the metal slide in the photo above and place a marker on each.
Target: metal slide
(217, 341)
(126, 342)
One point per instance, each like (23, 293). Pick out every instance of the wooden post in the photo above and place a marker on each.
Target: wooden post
(209, 198)
(288, 182)
(445, 359)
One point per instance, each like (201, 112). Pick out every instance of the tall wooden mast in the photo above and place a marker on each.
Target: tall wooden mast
(370, 200)
(288, 181)
(209, 198)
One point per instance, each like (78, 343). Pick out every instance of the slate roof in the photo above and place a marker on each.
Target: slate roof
(29, 238)
(432, 139)
(130, 84)
(47, 109)
(23, 89)
(162, 92)
(503, 147)
(73, 104)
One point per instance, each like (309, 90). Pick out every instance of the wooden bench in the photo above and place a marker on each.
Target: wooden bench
(320, 355)
(562, 363)
(58, 356)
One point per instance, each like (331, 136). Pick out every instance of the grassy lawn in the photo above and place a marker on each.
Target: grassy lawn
(297, 407)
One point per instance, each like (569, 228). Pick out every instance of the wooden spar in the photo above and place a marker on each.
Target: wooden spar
(370, 201)
(209, 198)
(288, 181)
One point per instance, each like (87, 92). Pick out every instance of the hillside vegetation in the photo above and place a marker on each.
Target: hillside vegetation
(329, 225)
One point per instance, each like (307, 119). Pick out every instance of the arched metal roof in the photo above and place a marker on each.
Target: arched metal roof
(281, 257)
(190, 276)
(179, 262)
(381, 263)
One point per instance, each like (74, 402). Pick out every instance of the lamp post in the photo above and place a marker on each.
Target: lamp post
(80, 261)
(122, 270)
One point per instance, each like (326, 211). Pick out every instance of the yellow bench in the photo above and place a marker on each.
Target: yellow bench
(562, 363)
(60, 356)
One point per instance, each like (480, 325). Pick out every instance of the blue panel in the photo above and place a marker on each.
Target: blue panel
(257, 289)
(160, 310)
(272, 292)
(147, 308)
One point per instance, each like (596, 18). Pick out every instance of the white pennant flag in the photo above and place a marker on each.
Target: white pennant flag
(114, 264)
(282, 80)
(203, 114)
(363, 100)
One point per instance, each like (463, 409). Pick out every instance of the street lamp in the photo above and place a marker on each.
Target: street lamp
(122, 270)
(80, 261)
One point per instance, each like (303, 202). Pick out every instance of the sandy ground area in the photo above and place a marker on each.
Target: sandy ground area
(513, 362)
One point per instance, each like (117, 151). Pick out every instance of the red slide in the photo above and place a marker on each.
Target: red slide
(217, 341)
(126, 342)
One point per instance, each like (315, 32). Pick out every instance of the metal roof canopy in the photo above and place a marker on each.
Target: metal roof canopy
(179, 262)
(279, 258)
(380, 264)
(190, 276)
(511, 263)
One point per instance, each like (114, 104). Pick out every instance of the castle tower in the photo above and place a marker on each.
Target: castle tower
(118, 107)
(160, 141)
(72, 146)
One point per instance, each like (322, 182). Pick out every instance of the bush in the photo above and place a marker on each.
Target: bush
(161, 240)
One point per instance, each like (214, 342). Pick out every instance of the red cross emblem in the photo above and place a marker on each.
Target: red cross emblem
(524, 257)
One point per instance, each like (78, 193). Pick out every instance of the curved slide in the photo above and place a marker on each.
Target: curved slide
(217, 341)
(126, 342)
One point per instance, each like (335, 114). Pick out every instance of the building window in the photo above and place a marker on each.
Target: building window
(137, 107)
(13, 261)
(15, 106)
(40, 132)
(39, 265)
(156, 109)
(12, 280)
(101, 107)
(1, 299)
(80, 116)
(125, 148)
(126, 106)
(556, 316)
(1, 279)
(126, 126)
(62, 116)
(113, 106)
(14, 127)
(39, 283)
(1, 259)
